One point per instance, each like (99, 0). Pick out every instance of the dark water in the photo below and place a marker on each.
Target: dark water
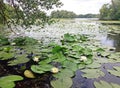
(112, 39)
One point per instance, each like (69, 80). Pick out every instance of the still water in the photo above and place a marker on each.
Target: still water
(108, 35)
(92, 27)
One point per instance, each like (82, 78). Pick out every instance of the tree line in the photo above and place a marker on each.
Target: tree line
(110, 11)
(26, 12)
(70, 14)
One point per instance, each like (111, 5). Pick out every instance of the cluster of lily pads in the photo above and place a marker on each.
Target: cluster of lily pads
(75, 52)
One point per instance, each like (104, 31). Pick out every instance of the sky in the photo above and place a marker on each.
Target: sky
(83, 6)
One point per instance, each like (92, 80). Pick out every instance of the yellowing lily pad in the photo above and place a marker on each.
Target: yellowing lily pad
(28, 74)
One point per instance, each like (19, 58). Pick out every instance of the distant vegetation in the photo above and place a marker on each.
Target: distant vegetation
(110, 11)
(70, 14)
(63, 14)
(88, 16)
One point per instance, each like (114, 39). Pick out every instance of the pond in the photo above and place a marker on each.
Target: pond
(106, 34)
(109, 35)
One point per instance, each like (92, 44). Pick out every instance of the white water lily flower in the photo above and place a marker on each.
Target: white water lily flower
(83, 58)
(54, 70)
(36, 59)
(13, 43)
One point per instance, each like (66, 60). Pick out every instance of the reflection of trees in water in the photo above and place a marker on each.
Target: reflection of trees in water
(116, 40)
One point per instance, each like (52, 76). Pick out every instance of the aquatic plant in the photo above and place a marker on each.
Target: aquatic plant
(8, 81)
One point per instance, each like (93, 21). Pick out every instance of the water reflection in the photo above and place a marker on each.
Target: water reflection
(112, 39)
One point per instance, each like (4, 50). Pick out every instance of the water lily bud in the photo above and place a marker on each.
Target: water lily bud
(54, 70)
(83, 58)
(13, 43)
(36, 59)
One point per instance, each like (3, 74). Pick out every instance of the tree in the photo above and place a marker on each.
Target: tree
(27, 12)
(88, 16)
(110, 11)
(63, 14)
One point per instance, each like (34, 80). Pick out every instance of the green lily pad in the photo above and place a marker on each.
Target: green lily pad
(101, 60)
(20, 59)
(105, 84)
(104, 54)
(41, 68)
(70, 65)
(64, 73)
(115, 71)
(8, 81)
(92, 73)
(5, 55)
(94, 65)
(62, 83)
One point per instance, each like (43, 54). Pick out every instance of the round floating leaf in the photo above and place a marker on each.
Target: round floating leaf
(64, 73)
(105, 84)
(104, 54)
(101, 60)
(5, 55)
(115, 71)
(8, 81)
(92, 73)
(62, 83)
(28, 74)
(20, 59)
(70, 65)
(94, 65)
(41, 68)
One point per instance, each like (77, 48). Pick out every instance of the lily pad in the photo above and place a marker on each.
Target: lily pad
(62, 83)
(70, 65)
(92, 73)
(20, 59)
(64, 73)
(8, 81)
(105, 84)
(94, 65)
(41, 68)
(5, 55)
(115, 71)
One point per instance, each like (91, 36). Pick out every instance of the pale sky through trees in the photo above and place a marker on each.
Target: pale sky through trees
(83, 6)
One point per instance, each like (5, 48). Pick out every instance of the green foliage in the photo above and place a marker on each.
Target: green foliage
(63, 14)
(4, 40)
(88, 16)
(110, 11)
(69, 38)
(5, 55)
(20, 41)
(92, 73)
(115, 71)
(20, 59)
(62, 83)
(27, 12)
(8, 81)
(42, 68)
(64, 79)
(105, 84)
